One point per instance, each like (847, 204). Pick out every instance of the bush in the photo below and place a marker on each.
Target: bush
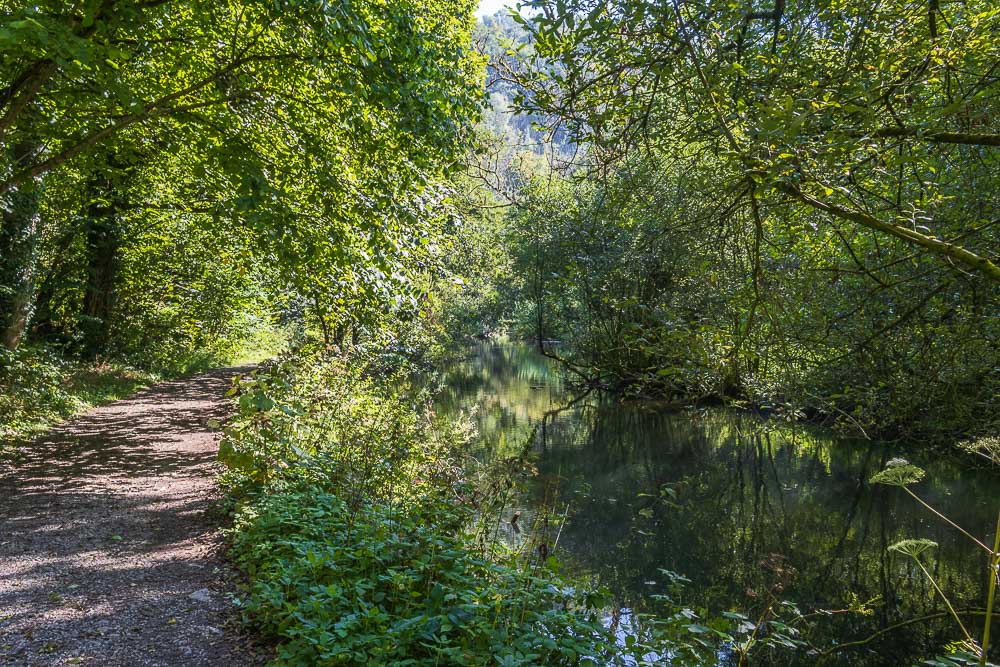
(350, 525)
(381, 584)
(38, 386)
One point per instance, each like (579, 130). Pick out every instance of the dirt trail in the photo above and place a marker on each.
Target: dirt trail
(110, 545)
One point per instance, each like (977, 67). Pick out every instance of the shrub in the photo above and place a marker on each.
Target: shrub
(384, 584)
(38, 386)
(350, 525)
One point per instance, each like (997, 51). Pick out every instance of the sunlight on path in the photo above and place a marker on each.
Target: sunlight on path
(110, 546)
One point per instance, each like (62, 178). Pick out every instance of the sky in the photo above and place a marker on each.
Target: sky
(490, 7)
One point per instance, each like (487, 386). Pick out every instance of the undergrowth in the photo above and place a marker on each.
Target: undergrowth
(380, 584)
(38, 386)
(350, 515)
(41, 385)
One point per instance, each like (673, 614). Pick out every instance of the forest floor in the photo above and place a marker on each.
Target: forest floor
(111, 546)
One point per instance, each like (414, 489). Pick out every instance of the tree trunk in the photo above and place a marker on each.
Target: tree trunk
(103, 241)
(321, 317)
(102, 267)
(18, 251)
(108, 194)
(44, 324)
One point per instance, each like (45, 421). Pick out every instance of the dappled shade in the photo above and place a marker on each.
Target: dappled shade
(109, 537)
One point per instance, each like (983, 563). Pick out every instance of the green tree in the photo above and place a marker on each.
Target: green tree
(792, 203)
(308, 133)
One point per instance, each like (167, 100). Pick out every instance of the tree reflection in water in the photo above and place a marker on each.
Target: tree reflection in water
(724, 498)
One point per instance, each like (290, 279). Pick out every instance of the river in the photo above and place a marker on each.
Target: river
(748, 510)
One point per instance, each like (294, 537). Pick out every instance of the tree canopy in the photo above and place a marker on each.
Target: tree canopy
(304, 138)
(876, 117)
(791, 203)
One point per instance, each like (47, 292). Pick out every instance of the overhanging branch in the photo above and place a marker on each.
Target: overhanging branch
(967, 258)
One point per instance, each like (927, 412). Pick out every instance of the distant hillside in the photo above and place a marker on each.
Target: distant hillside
(497, 36)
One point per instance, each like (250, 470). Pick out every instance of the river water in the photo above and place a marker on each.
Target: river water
(747, 510)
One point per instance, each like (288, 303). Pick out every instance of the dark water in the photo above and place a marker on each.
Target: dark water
(726, 500)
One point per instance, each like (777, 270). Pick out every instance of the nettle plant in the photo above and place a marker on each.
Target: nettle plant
(968, 651)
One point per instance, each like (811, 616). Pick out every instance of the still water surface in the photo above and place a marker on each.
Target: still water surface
(721, 497)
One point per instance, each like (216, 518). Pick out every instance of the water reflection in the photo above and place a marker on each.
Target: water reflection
(725, 499)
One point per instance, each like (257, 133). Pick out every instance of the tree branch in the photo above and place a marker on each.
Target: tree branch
(155, 109)
(959, 254)
(935, 137)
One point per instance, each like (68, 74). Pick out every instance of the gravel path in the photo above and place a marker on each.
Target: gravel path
(110, 545)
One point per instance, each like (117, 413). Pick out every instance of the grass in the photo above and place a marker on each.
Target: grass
(39, 388)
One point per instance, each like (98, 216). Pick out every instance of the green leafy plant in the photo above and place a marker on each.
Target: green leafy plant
(40, 386)
(901, 473)
(351, 525)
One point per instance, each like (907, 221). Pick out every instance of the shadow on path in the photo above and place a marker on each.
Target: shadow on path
(110, 546)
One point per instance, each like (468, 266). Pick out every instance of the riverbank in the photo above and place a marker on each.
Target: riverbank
(972, 431)
(351, 507)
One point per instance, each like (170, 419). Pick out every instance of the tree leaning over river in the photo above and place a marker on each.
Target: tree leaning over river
(787, 203)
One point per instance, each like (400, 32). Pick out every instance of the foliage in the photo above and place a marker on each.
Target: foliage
(382, 584)
(177, 175)
(183, 181)
(789, 206)
(471, 293)
(350, 531)
(38, 386)
(352, 512)
(504, 42)
(898, 472)
(966, 651)
(871, 118)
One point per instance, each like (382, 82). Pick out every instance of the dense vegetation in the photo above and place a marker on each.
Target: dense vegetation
(177, 177)
(792, 207)
(353, 505)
